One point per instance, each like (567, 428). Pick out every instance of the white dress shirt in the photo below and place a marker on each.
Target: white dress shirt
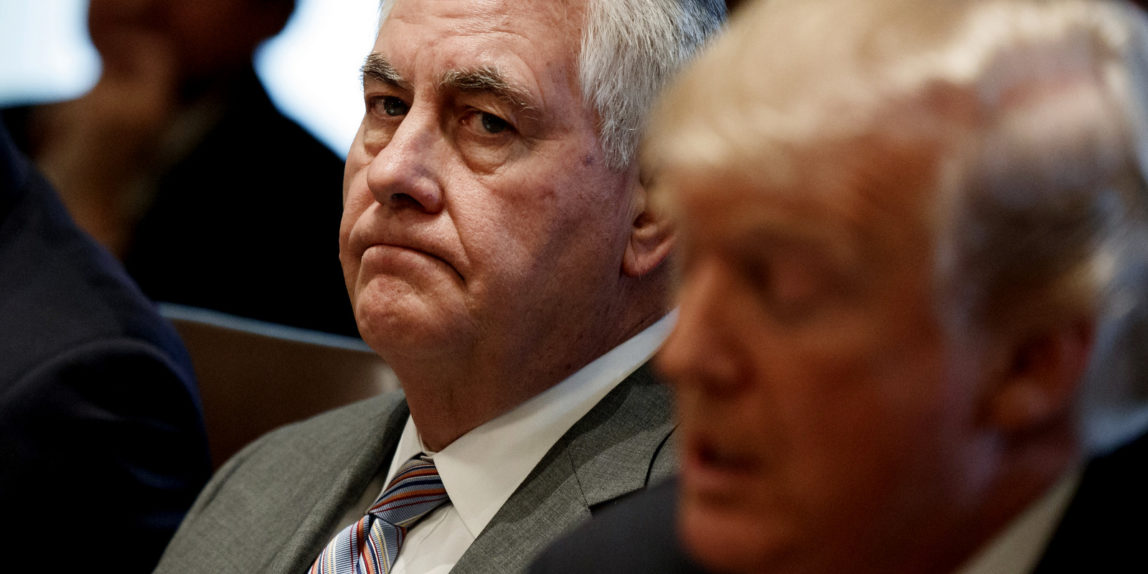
(1019, 547)
(483, 467)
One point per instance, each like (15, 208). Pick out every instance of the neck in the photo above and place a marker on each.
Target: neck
(449, 398)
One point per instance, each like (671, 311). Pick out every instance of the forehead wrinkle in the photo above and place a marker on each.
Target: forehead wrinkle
(488, 79)
(379, 68)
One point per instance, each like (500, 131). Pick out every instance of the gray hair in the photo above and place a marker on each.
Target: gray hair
(630, 50)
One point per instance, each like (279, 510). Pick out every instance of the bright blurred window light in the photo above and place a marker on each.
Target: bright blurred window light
(311, 69)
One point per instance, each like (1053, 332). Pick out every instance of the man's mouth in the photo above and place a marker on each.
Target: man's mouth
(717, 469)
(397, 252)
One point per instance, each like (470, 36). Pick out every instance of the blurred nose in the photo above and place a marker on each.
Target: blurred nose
(404, 174)
(704, 348)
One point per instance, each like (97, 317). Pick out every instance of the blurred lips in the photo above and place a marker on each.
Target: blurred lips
(716, 469)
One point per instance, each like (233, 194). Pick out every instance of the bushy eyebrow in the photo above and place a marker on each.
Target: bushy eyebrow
(378, 68)
(485, 79)
(489, 80)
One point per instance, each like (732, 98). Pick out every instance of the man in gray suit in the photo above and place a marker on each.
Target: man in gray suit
(502, 256)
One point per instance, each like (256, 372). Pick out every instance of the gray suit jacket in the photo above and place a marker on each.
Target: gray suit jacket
(272, 507)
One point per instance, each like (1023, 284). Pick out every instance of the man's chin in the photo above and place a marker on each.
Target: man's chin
(729, 539)
(398, 332)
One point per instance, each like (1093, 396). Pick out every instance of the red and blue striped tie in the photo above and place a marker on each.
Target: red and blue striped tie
(371, 545)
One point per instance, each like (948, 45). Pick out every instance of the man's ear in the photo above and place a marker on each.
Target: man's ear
(1040, 376)
(651, 235)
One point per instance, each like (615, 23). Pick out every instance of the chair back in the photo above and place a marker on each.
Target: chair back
(255, 376)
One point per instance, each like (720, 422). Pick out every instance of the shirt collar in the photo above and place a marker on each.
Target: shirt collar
(483, 467)
(1019, 547)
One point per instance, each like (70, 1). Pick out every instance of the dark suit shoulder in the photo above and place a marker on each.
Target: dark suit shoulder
(59, 289)
(1106, 523)
(115, 410)
(95, 390)
(636, 535)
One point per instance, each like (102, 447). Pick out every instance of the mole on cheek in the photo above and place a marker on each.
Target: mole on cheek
(588, 160)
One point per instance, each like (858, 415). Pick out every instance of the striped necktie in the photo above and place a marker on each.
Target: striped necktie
(371, 545)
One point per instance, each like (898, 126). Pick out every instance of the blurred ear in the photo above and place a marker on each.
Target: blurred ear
(1041, 376)
(651, 235)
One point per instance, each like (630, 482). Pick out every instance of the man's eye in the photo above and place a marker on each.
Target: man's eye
(788, 289)
(390, 106)
(493, 124)
(758, 274)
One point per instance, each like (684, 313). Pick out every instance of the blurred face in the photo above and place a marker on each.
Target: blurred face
(202, 38)
(480, 220)
(822, 422)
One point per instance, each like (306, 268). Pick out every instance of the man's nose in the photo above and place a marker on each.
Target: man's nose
(405, 174)
(702, 350)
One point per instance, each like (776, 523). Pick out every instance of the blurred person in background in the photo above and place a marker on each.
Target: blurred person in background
(178, 162)
(913, 256)
(102, 446)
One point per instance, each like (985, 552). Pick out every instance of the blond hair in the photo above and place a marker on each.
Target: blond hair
(1027, 117)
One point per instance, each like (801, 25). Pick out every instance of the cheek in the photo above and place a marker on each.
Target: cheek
(356, 194)
(516, 227)
(846, 423)
(356, 200)
(769, 518)
(827, 430)
(864, 457)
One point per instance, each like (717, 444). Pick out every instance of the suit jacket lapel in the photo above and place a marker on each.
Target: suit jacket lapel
(607, 454)
(380, 437)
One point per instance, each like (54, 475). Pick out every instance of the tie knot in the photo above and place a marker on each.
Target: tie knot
(415, 490)
(372, 544)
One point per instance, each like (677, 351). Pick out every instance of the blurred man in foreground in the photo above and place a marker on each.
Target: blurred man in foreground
(913, 247)
(501, 256)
